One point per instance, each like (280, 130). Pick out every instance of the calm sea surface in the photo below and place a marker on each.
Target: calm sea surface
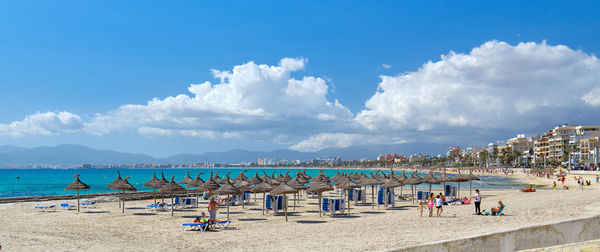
(39, 182)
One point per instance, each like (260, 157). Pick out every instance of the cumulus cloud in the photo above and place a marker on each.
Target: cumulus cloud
(250, 100)
(43, 124)
(341, 140)
(386, 66)
(495, 86)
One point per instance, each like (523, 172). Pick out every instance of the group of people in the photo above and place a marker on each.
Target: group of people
(213, 206)
(438, 202)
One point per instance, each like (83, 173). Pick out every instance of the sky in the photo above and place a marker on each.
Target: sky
(164, 78)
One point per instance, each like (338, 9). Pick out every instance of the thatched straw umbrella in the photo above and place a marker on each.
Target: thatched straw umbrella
(354, 176)
(241, 176)
(124, 185)
(471, 177)
(274, 180)
(255, 181)
(305, 175)
(263, 188)
(413, 180)
(153, 183)
(401, 178)
(366, 181)
(228, 189)
(160, 183)
(294, 183)
(218, 179)
(172, 188)
(430, 179)
(346, 184)
(113, 184)
(210, 184)
(337, 175)
(392, 182)
(459, 178)
(185, 181)
(443, 179)
(322, 178)
(244, 186)
(284, 189)
(377, 180)
(77, 185)
(319, 188)
(197, 182)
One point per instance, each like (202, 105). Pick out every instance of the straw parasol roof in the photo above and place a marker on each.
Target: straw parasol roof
(444, 178)
(301, 178)
(151, 182)
(218, 179)
(210, 184)
(283, 188)
(365, 181)
(430, 179)
(471, 176)
(322, 178)
(186, 180)
(377, 180)
(242, 185)
(317, 186)
(294, 183)
(171, 187)
(392, 182)
(305, 175)
(160, 183)
(241, 176)
(228, 188)
(197, 182)
(354, 176)
(115, 182)
(337, 175)
(402, 177)
(460, 178)
(279, 178)
(255, 180)
(346, 184)
(77, 185)
(263, 187)
(125, 186)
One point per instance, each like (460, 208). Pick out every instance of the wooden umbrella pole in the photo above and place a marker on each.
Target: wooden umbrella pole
(470, 188)
(459, 189)
(78, 200)
(154, 189)
(118, 198)
(294, 202)
(348, 200)
(243, 198)
(228, 203)
(264, 195)
(285, 205)
(319, 204)
(372, 196)
(172, 203)
(123, 202)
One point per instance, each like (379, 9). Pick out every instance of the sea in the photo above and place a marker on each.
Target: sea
(42, 182)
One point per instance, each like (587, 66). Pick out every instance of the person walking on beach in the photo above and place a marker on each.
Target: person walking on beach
(438, 205)
(430, 204)
(477, 202)
(554, 185)
(212, 212)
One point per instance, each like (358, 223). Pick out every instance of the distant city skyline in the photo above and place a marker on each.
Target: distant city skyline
(194, 78)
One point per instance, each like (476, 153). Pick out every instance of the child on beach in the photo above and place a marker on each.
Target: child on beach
(554, 186)
(430, 203)
(421, 207)
(438, 205)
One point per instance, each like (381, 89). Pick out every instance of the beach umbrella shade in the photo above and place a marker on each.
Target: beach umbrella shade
(153, 183)
(430, 179)
(354, 176)
(274, 180)
(346, 184)
(305, 175)
(366, 181)
(172, 188)
(401, 178)
(319, 188)
(255, 181)
(413, 180)
(197, 182)
(124, 185)
(443, 179)
(284, 189)
(160, 183)
(241, 176)
(294, 183)
(263, 188)
(77, 185)
(113, 184)
(210, 184)
(301, 178)
(244, 186)
(459, 178)
(218, 179)
(186, 180)
(471, 177)
(228, 189)
(337, 175)
(322, 178)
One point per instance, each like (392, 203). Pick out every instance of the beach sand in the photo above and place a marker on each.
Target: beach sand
(363, 229)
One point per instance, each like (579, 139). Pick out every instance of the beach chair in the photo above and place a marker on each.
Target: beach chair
(50, 208)
(193, 226)
(500, 210)
(88, 204)
(155, 207)
(268, 199)
(325, 205)
(359, 196)
(223, 224)
(67, 206)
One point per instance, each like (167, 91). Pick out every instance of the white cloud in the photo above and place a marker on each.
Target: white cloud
(386, 66)
(43, 124)
(341, 140)
(251, 100)
(495, 86)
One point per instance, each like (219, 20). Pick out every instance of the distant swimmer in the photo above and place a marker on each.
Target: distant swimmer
(18, 177)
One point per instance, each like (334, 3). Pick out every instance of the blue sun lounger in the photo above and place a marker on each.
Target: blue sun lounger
(223, 224)
(45, 208)
(67, 206)
(193, 226)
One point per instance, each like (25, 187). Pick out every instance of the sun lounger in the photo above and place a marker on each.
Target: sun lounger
(90, 204)
(67, 206)
(155, 207)
(50, 208)
(193, 226)
(223, 224)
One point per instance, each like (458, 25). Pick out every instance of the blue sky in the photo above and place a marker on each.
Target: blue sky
(93, 57)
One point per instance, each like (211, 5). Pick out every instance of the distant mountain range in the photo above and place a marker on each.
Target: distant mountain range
(70, 154)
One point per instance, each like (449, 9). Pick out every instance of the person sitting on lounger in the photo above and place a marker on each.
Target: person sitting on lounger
(202, 219)
(496, 210)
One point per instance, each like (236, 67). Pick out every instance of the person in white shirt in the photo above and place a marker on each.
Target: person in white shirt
(477, 202)
(438, 205)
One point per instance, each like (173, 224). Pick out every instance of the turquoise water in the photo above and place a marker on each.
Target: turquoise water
(39, 182)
